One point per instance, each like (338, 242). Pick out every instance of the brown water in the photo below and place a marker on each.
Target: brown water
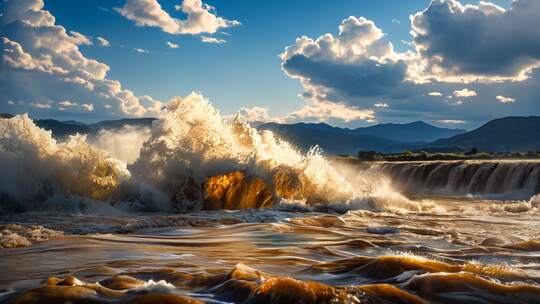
(464, 251)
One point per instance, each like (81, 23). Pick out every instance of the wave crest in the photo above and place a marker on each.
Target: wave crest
(37, 167)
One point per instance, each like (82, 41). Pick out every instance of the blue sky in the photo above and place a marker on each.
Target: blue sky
(246, 70)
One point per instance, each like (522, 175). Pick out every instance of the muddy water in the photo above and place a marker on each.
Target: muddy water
(473, 252)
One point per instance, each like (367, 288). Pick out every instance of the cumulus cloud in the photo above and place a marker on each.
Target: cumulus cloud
(381, 105)
(67, 103)
(357, 62)
(484, 46)
(213, 40)
(322, 111)
(88, 107)
(464, 93)
(503, 99)
(315, 111)
(256, 114)
(103, 42)
(200, 17)
(484, 42)
(172, 45)
(40, 52)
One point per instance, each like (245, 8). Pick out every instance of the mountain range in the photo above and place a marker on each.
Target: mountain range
(505, 134)
(386, 138)
(499, 135)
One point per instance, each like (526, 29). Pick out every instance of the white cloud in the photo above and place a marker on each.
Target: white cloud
(323, 111)
(255, 114)
(503, 99)
(38, 51)
(484, 42)
(40, 105)
(435, 94)
(381, 105)
(331, 67)
(10, 102)
(88, 107)
(451, 121)
(172, 45)
(79, 80)
(142, 51)
(464, 93)
(206, 39)
(80, 38)
(200, 17)
(396, 21)
(67, 103)
(312, 111)
(103, 42)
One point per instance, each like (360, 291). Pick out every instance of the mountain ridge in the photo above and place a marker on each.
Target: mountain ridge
(505, 134)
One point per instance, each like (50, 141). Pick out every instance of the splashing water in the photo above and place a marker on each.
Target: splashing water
(194, 159)
(192, 142)
(36, 167)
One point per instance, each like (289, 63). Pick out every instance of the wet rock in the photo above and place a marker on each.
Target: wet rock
(236, 190)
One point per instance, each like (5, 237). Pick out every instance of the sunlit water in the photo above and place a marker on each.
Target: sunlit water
(126, 217)
(477, 254)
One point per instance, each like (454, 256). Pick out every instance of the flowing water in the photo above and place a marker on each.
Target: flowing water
(211, 211)
(506, 179)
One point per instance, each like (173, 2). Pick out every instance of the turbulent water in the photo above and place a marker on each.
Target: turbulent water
(205, 209)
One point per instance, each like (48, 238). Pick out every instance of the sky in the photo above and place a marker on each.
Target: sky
(347, 63)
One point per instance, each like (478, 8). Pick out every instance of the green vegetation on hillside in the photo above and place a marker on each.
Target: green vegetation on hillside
(473, 154)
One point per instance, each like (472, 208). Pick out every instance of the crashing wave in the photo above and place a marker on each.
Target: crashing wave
(37, 167)
(193, 159)
(203, 161)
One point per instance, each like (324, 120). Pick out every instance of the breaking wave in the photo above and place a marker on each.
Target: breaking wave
(191, 159)
(36, 167)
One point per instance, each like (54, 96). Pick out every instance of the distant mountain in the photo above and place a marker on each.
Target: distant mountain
(332, 140)
(384, 138)
(499, 135)
(61, 129)
(417, 131)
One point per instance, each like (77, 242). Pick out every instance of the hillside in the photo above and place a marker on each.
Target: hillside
(499, 135)
(417, 131)
(61, 129)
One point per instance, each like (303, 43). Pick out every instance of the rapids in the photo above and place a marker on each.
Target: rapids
(278, 256)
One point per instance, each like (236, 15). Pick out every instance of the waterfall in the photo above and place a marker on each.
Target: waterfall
(492, 179)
